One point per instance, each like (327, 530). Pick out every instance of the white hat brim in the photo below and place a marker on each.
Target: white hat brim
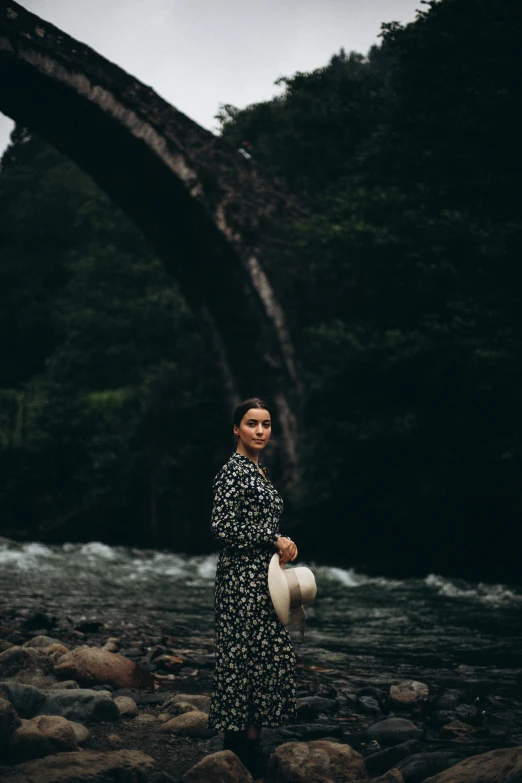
(278, 588)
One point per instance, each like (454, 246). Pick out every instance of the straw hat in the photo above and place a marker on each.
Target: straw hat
(290, 588)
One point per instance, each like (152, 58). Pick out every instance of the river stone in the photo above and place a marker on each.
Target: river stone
(9, 722)
(42, 736)
(328, 762)
(26, 664)
(41, 641)
(181, 707)
(127, 706)
(448, 700)
(310, 707)
(199, 700)
(409, 694)
(441, 718)
(81, 732)
(392, 776)
(369, 706)
(145, 718)
(496, 766)
(457, 730)
(81, 705)
(379, 762)
(95, 666)
(392, 731)
(418, 767)
(124, 766)
(65, 684)
(190, 724)
(26, 699)
(223, 766)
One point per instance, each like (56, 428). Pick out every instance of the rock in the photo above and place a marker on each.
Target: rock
(81, 705)
(9, 722)
(313, 731)
(126, 706)
(448, 700)
(4, 645)
(26, 699)
(468, 713)
(383, 760)
(42, 736)
(41, 641)
(181, 707)
(223, 766)
(26, 664)
(392, 731)
(369, 690)
(369, 706)
(409, 694)
(496, 766)
(111, 647)
(95, 666)
(169, 663)
(328, 762)
(457, 730)
(81, 732)
(198, 700)
(419, 766)
(311, 706)
(190, 724)
(39, 621)
(55, 651)
(441, 717)
(163, 717)
(89, 626)
(64, 685)
(124, 766)
(145, 718)
(392, 776)
(114, 739)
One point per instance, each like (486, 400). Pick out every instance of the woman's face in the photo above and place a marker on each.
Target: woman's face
(254, 429)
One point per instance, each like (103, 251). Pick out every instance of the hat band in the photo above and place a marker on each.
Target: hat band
(294, 588)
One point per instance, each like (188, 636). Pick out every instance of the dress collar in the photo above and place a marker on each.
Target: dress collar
(237, 455)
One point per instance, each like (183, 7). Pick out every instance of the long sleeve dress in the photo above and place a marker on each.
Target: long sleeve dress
(254, 678)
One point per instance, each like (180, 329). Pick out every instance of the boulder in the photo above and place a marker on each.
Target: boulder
(457, 730)
(190, 724)
(127, 706)
(96, 666)
(60, 686)
(496, 766)
(313, 731)
(42, 736)
(328, 762)
(223, 766)
(419, 766)
(408, 695)
(448, 700)
(392, 776)
(81, 732)
(180, 707)
(393, 731)
(383, 760)
(369, 706)
(81, 705)
(41, 641)
(27, 665)
(26, 699)
(124, 766)
(311, 706)
(9, 722)
(198, 700)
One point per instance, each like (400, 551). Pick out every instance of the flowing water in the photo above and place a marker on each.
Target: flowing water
(369, 629)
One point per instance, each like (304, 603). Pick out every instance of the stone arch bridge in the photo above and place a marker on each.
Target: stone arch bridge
(209, 215)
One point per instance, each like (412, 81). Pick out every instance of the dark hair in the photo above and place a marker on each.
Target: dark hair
(243, 407)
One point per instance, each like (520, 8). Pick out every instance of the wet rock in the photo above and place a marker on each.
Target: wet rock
(368, 705)
(4, 645)
(448, 700)
(127, 707)
(468, 713)
(131, 652)
(441, 717)
(223, 766)
(81, 705)
(111, 646)
(95, 666)
(457, 730)
(169, 663)
(9, 722)
(313, 731)
(26, 664)
(190, 724)
(145, 718)
(39, 621)
(311, 706)
(383, 760)
(496, 766)
(42, 736)
(301, 762)
(81, 732)
(114, 739)
(370, 690)
(26, 699)
(408, 695)
(419, 766)
(199, 700)
(181, 707)
(392, 776)
(125, 766)
(393, 731)
(64, 685)
(55, 651)
(41, 641)
(89, 626)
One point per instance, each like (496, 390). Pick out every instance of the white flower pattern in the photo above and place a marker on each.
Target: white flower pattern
(254, 677)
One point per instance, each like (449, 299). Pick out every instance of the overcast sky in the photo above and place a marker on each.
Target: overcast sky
(199, 53)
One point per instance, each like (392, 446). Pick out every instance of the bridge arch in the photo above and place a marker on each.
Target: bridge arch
(209, 215)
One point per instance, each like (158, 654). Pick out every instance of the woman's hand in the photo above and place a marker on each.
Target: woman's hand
(287, 549)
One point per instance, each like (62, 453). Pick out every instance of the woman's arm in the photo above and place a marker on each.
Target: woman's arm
(229, 524)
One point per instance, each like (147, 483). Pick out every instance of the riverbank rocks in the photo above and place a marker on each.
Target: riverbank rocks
(42, 736)
(127, 706)
(190, 724)
(42, 641)
(408, 695)
(27, 665)
(82, 705)
(96, 666)
(380, 762)
(496, 766)
(328, 762)
(26, 699)
(457, 730)
(198, 700)
(124, 766)
(310, 707)
(393, 731)
(419, 766)
(223, 766)
(9, 722)
(392, 776)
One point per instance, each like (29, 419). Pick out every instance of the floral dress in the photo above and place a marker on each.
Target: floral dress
(254, 678)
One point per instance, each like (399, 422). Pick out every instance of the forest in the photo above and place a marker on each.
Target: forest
(405, 281)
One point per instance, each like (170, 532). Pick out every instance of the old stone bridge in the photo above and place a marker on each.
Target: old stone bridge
(212, 218)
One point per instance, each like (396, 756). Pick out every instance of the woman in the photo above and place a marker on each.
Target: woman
(254, 679)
